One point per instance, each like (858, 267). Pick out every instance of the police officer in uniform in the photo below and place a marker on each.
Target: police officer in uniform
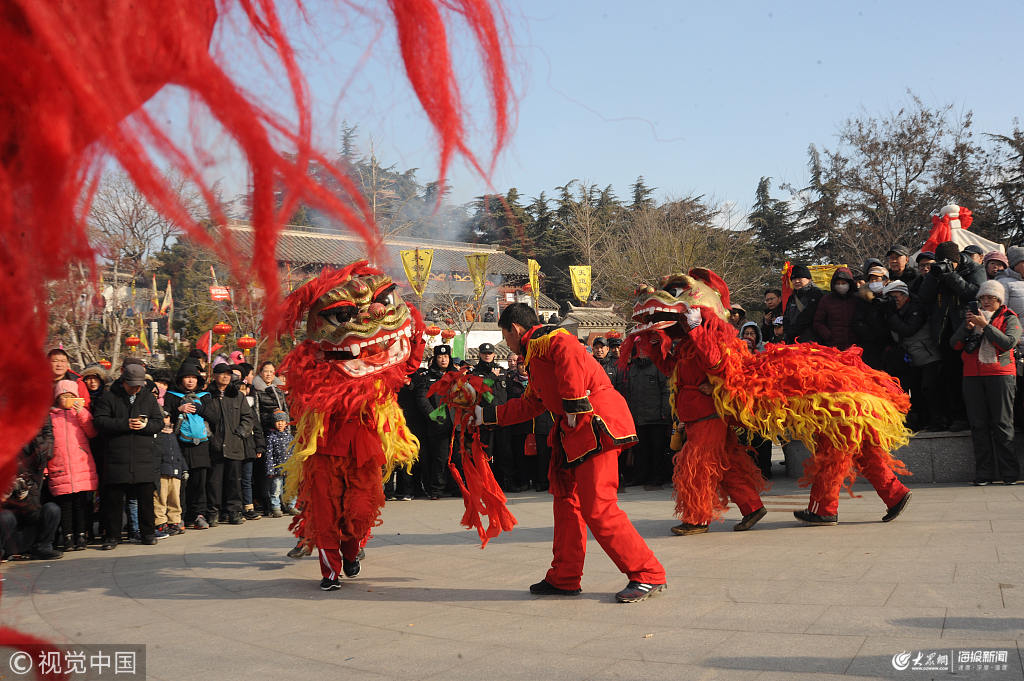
(497, 443)
(439, 434)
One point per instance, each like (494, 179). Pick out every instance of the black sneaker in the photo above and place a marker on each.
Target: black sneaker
(46, 554)
(236, 519)
(251, 514)
(981, 482)
(109, 544)
(898, 508)
(212, 521)
(815, 519)
(685, 529)
(149, 540)
(301, 550)
(330, 584)
(350, 568)
(1009, 481)
(200, 523)
(638, 591)
(750, 519)
(542, 588)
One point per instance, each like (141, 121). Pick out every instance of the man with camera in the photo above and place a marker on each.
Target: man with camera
(951, 284)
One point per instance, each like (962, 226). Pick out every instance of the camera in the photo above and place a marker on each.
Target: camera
(941, 268)
(972, 343)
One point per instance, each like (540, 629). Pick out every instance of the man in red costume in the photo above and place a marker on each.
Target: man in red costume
(592, 424)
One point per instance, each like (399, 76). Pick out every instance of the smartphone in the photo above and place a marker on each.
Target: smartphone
(71, 402)
(974, 307)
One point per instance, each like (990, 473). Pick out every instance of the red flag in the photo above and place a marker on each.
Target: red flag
(204, 344)
(787, 287)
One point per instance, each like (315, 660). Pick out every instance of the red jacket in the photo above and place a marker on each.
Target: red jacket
(565, 379)
(72, 468)
(1004, 332)
(699, 355)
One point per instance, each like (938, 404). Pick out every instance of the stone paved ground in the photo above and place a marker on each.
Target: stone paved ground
(780, 602)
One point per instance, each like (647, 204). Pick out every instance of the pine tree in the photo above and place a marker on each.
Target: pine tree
(773, 224)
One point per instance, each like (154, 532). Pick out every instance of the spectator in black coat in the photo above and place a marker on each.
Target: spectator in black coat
(833, 322)
(647, 392)
(497, 443)
(26, 524)
(129, 418)
(404, 485)
(924, 261)
(227, 448)
(772, 311)
(953, 282)
(801, 306)
(255, 448)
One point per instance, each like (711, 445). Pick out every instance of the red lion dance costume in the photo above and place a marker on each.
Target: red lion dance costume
(75, 77)
(848, 414)
(361, 343)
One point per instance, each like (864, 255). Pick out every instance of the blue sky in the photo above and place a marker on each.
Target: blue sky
(700, 98)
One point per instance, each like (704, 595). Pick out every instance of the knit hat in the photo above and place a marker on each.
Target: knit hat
(65, 387)
(998, 256)
(279, 415)
(992, 288)
(948, 250)
(896, 286)
(1014, 255)
(800, 271)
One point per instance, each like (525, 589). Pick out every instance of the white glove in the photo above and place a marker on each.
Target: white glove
(693, 317)
(571, 419)
(478, 412)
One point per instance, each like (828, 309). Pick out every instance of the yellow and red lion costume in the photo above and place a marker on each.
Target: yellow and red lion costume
(362, 342)
(850, 416)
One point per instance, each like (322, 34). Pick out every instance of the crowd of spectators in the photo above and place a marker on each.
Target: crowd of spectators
(164, 451)
(171, 453)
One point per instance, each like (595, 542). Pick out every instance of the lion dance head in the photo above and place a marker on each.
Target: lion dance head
(361, 338)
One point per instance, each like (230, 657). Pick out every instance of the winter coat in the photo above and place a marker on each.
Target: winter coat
(909, 327)
(909, 276)
(255, 443)
(415, 420)
(799, 324)
(278, 453)
(172, 460)
(947, 295)
(130, 456)
(197, 455)
(429, 404)
(1013, 283)
(873, 335)
(499, 387)
(72, 468)
(25, 491)
(833, 320)
(236, 424)
(1004, 332)
(271, 398)
(648, 393)
(611, 367)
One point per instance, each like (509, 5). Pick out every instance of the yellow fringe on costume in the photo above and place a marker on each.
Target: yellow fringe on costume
(307, 432)
(538, 347)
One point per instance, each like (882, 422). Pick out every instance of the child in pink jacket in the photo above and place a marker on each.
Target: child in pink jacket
(72, 470)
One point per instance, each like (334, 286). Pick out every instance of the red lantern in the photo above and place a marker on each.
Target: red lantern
(222, 329)
(433, 331)
(247, 343)
(527, 288)
(132, 342)
(105, 364)
(447, 335)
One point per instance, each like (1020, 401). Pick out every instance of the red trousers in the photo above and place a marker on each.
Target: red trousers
(586, 497)
(825, 489)
(711, 468)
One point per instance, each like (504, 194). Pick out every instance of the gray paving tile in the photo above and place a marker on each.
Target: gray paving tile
(859, 620)
(786, 652)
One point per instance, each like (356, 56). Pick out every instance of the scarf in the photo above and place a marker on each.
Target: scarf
(987, 354)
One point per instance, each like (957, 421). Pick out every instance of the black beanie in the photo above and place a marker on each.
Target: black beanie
(948, 250)
(800, 271)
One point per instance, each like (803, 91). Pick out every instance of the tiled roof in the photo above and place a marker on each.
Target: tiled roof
(320, 248)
